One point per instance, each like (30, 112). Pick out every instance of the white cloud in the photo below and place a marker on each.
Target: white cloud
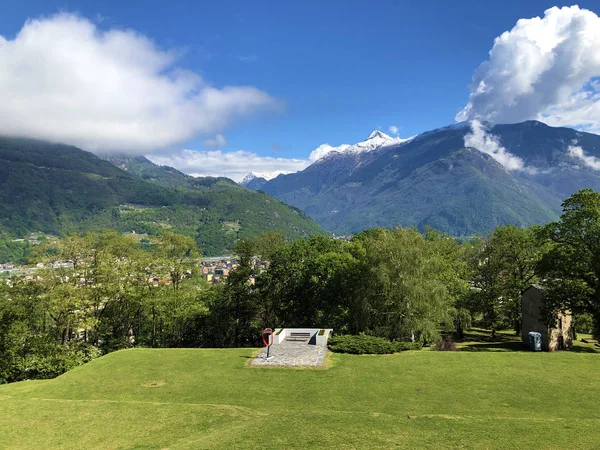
(235, 165)
(325, 149)
(64, 79)
(394, 130)
(218, 142)
(487, 143)
(590, 161)
(545, 69)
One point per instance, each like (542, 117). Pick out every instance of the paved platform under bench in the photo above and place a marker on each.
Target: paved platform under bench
(292, 354)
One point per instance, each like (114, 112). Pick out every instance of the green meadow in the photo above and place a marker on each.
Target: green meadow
(211, 398)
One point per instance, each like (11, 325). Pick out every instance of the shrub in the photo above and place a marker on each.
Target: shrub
(403, 346)
(363, 344)
(46, 360)
(446, 345)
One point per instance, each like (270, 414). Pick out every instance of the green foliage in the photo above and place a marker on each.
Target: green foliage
(383, 292)
(583, 323)
(572, 265)
(313, 282)
(13, 250)
(234, 311)
(108, 293)
(407, 285)
(363, 344)
(503, 267)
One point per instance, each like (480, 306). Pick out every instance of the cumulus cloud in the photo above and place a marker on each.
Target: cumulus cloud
(324, 149)
(487, 143)
(64, 79)
(218, 142)
(394, 130)
(235, 165)
(544, 68)
(590, 161)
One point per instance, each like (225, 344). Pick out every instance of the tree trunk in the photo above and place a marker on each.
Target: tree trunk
(153, 327)
(596, 318)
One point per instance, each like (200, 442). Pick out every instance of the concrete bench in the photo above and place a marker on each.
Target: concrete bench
(298, 337)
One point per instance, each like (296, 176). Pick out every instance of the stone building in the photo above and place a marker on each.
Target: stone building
(559, 337)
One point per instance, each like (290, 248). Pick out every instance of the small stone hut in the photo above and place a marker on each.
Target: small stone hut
(559, 337)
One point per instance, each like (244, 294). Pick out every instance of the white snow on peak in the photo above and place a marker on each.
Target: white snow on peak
(378, 134)
(376, 139)
(266, 175)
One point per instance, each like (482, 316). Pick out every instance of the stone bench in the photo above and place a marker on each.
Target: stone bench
(299, 337)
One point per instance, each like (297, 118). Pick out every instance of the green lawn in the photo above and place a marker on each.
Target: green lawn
(205, 398)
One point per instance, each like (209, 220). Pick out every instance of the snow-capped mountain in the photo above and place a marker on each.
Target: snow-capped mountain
(256, 180)
(266, 175)
(377, 139)
(461, 179)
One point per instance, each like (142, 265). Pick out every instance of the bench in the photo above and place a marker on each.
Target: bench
(296, 336)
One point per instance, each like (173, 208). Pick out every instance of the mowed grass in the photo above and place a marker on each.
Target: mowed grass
(210, 398)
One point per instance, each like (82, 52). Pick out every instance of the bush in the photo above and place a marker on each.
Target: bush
(363, 344)
(50, 361)
(403, 346)
(446, 345)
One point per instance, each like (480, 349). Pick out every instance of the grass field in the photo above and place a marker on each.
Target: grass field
(210, 398)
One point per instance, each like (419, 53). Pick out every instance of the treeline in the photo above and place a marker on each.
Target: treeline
(104, 291)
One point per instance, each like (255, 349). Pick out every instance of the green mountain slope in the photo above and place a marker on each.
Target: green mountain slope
(166, 176)
(466, 191)
(60, 189)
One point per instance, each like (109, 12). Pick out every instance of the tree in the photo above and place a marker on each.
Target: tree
(175, 301)
(503, 269)
(455, 274)
(571, 267)
(268, 243)
(234, 315)
(405, 285)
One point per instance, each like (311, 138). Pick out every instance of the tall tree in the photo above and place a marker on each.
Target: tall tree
(503, 269)
(455, 274)
(405, 284)
(572, 266)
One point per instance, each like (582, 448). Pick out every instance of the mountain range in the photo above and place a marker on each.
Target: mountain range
(455, 179)
(58, 189)
(452, 179)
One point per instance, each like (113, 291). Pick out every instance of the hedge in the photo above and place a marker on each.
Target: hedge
(363, 344)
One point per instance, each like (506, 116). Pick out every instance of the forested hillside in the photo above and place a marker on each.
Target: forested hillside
(60, 189)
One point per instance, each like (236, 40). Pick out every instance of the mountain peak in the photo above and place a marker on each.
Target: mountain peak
(379, 135)
(264, 175)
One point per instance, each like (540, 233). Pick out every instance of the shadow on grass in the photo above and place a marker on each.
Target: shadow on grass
(482, 341)
(507, 346)
(584, 349)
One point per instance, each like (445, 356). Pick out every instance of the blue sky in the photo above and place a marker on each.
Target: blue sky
(335, 70)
